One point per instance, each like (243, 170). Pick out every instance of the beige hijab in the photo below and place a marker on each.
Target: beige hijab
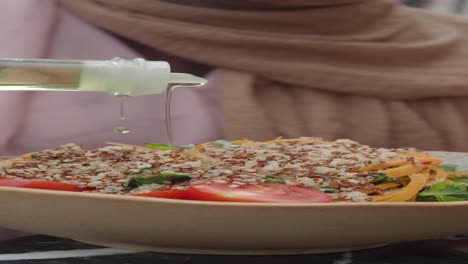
(369, 70)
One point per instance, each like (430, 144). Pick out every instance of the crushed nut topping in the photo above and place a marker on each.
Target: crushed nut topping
(308, 162)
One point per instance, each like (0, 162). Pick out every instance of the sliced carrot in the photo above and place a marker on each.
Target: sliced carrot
(456, 174)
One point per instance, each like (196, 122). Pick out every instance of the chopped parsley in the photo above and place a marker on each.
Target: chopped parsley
(329, 190)
(378, 178)
(274, 180)
(158, 146)
(140, 180)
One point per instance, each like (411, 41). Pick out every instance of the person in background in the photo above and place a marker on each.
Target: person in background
(417, 3)
(373, 71)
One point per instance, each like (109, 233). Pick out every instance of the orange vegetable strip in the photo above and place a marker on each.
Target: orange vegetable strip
(367, 191)
(403, 171)
(417, 183)
(199, 147)
(244, 143)
(382, 198)
(431, 160)
(456, 174)
(387, 185)
(440, 174)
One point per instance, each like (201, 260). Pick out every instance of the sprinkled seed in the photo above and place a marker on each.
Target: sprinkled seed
(319, 164)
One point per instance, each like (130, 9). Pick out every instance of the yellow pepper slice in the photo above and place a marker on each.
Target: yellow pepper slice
(403, 171)
(388, 185)
(440, 174)
(417, 183)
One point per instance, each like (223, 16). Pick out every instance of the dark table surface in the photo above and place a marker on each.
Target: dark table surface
(44, 249)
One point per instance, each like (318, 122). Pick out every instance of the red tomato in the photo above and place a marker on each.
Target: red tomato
(265, 192)
(37, 184)
(173, 194)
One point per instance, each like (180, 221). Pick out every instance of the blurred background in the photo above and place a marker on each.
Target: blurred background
(449, 6)
(275, 68)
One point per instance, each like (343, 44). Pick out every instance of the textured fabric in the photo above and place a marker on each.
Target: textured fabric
(368, 70)
(32, 121)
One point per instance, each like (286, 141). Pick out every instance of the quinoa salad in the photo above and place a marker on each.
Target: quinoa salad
(343, 170)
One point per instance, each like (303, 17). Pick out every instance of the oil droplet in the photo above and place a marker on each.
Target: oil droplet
(122, 111)
(121, 130)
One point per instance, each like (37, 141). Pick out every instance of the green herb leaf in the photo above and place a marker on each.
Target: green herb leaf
(273, 180)
(439, 198)
(147, 169)
(445, 192)
(158, 146)
(175, 175)
(426, 199)
(329, 190)
(460, 180)
(35, 155)
(139, 180)
(378, 178)
(445, 188)
(446, 198)
(448, 167)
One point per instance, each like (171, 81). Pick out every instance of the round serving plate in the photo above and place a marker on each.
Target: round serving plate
(180, 226)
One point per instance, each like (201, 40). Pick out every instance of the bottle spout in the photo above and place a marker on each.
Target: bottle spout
(134, 77)
(185, 79)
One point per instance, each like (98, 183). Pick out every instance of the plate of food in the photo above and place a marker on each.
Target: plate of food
(284, 196)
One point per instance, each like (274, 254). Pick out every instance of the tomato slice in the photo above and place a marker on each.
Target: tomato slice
(265, 192)
(172, 194)
(46, 185)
